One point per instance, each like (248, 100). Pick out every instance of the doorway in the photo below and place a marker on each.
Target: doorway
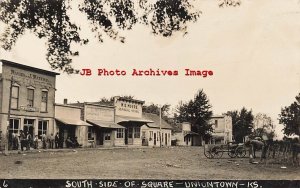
(28, 127)
(154, 136)
(166, 139)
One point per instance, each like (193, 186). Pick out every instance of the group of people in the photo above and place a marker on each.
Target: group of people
(25, 140)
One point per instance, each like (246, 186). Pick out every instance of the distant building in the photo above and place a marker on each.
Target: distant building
(31, 99)
(184, 136)
(222, 129)
(156, 133)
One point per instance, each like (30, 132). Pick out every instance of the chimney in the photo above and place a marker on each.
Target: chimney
(65, 101)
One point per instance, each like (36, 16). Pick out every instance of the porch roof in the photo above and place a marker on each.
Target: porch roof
(76, 122)
(190, 133)
(132, 119)
(104, 124)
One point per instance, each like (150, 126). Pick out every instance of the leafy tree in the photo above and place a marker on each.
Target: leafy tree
(51, 20)
(290, 118)
(242, 123)
(110, 101)
(154, 109)
(263, 125)
(106, 101)
(198, 112)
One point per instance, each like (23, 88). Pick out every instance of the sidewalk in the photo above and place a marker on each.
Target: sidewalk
(73, 149)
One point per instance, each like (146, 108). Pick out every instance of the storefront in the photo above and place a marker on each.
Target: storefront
(28, 105)
(157, 133)
(104, 132)
(128, 113)
(70, 125)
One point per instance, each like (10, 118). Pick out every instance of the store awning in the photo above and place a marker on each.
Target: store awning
(132, 119)
(73, 122)
(103, 124)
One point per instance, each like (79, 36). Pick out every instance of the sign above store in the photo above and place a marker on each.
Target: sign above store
(29, 108)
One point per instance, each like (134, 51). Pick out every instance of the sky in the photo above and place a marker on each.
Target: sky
(253, 51)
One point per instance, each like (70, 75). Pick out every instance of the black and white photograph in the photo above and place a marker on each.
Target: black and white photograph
(150, 93)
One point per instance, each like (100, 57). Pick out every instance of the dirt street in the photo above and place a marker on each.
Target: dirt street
(129, 163)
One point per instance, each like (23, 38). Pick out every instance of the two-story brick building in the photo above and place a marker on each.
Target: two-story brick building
(30, 101)
(222, 129)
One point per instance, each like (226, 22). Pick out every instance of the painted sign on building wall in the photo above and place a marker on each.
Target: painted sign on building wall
(99, 113)
(128, 107)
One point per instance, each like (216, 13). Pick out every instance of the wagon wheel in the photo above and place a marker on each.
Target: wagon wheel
(207, 152)
(240, 151)
(232, 153)
(217, 152)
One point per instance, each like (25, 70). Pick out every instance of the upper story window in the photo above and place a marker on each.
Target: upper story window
(44, 102)
(216, 123)
(30, 97)
(15, 97)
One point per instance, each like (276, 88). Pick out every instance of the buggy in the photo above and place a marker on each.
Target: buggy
(216, 150)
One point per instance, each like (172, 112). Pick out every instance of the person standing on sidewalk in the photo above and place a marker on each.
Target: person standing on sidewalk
(51, 141)
(56, 140)
(36, 142)
(29, 140)
(22, 140)
(44, 141)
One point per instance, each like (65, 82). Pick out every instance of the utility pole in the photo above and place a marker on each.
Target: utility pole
(8, 117)
(160, 125)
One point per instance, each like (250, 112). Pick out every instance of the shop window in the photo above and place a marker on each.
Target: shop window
(151, 135)
(15, 97)
(14, 125)
(42, 128)
(137, 133)
(28, 126)
(44, 102)
(106, 136)
(90, 133)
(30, 97)
(120, 133)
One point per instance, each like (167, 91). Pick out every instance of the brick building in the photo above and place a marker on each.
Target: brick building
(32, 101)
(222, 125)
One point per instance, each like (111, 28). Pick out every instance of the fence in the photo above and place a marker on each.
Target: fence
(282, 152)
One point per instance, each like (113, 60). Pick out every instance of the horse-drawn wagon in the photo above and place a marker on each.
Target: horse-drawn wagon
(232, 149)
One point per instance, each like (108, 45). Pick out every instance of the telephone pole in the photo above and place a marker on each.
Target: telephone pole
(160, 134)
(8, 117)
